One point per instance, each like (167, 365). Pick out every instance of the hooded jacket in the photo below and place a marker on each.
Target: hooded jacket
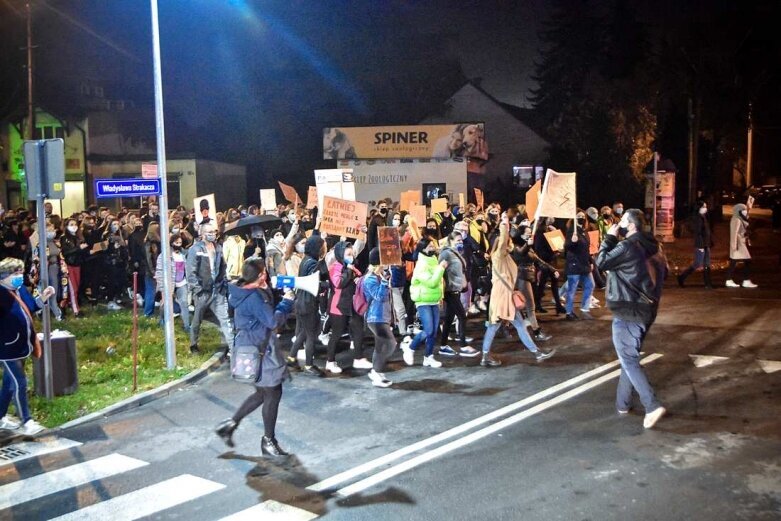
(17, 336)
(342, 283)
(255, 319)
(455, 273)
(306, 303)
(738, 234)
(378, 294)
(578, 257)
(426, 288)
(636, 270)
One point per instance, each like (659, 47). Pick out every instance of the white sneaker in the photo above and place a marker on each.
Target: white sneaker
(467, 339)
(362, 363)
(652, 417)
(749, 284)
(731, 284)
(331, 367)
(301, 355)
(293, 340)
(113, 306)
(352, 344)
(469, 351)
(32, 427)
(324, 338)
(406, 352)
(430, 361)
(140, 299)
(594, 304)
(9, 424)
(379, 379)
(473, 310)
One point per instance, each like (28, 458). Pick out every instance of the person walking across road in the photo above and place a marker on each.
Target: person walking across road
(702, 245)
(738, 247)
(636, 268)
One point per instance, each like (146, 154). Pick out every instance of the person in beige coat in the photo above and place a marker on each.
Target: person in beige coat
(738, 246)
(500, 306)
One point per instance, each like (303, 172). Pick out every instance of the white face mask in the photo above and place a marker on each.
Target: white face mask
(73, 229)
(291, 217)
(703, 211)
(396, 222)
(300, 248)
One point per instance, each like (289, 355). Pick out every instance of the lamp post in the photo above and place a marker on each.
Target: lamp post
(165, 247)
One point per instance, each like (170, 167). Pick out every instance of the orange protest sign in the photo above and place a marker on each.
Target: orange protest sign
(418, 212)
(461, 201)
(438, 205)
(532, 200)
(479, 198)
(341, 217)
(290, 193)
(311, 198)
(555, 240)
(409, 198)
(593, 242)
(390, 245)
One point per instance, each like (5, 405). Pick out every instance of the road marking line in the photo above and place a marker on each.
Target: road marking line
(147, 501)
(33, 449)
(272, 511)
(706, 360)
(455, 431)
(769, 366)
(477, 435)
(62, 479)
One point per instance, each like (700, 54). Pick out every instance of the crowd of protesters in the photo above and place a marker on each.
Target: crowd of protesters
(490, 264)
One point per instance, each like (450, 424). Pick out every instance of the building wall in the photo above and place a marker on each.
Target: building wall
(510, 142)
(226, 181)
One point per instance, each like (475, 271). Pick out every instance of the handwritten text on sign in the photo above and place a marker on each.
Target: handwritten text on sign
(342, 217)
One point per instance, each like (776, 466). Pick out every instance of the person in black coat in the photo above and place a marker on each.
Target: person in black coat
(548, 256)
(257, 320)
(576, 246)
(702, 245)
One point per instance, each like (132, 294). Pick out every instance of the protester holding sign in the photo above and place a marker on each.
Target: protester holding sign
(456, 283)
(578, 267)
(379, 316)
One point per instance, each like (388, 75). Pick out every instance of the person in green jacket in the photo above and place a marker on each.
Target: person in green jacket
(426, 292)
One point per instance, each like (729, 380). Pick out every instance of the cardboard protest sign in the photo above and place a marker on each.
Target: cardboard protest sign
(593, 242)
(533, 200)
(205, 209)
(341, 217)
(268, 199)
(290, 193)
(461, 202)
(479, 198)
(558, 196)
(390, 245)
(418, 212)
(555, 240)
(409, 198)
(311, 198)
(438, 205)
(338, 183)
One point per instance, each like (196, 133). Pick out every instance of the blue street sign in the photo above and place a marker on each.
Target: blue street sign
(126, 187)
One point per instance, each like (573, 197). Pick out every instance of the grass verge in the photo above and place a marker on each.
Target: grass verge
(106, 378)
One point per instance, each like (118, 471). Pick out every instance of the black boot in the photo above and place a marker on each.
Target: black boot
(489, 361)
(225, 430)
(682, 276)
(270, 447)
(706, 278)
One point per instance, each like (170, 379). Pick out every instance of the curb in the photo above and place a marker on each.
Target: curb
(208, 367)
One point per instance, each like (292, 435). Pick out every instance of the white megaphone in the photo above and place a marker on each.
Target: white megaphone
(310, 283)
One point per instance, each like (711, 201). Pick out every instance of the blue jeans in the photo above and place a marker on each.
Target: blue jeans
(628, 341)
(520, 326)
(429, 318)
(701, 258)
(14, 386)
(150, 289)
(572, 286)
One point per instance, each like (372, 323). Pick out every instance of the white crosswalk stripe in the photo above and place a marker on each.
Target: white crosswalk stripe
(148, 500)
(33, 449)
(271, 510)
(58, 480)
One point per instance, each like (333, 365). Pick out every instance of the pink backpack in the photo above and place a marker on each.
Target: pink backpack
(360, 303)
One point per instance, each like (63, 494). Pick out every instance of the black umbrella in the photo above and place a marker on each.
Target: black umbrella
(246, 224)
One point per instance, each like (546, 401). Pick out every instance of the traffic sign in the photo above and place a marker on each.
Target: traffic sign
(44, 168)
(126, 187)
(149, 170)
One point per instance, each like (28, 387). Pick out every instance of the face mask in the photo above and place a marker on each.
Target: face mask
(431, 229)
(300, 248)
(396, 222)
(581, 221)
(428, 253)
(606, 216)
(50, 235)
(383, 211)
(619, 211)
(16, 281)
(279, 239)
(291, 217)
(73, 229)
(175, 230)
(211, 237)
(703, 211)
(348, 260)
(622, 230)
(526, 238)
(152, 213)
(460, 247)
(114, 227)
(744, 213)
(177, 247)
(464, 234)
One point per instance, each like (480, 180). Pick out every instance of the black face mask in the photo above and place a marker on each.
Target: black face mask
(622, 231)
(383, 211)
(427, 253)
(581, 222)
(177, 247)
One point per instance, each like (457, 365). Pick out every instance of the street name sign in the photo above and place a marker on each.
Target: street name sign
(126, 187)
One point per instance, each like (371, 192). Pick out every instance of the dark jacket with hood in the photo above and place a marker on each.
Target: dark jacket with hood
(636, 268)
(578, 257)
(701, 231)
(17, 336)
(306, 303)
(256, 318)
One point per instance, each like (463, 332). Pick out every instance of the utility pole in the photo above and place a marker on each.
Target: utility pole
(165, 247)
(28, 130)
(750, 145)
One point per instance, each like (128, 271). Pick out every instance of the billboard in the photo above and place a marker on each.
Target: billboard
(410, 141)
(375, 180)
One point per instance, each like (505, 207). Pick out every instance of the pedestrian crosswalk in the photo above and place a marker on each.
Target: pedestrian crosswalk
(136, 504)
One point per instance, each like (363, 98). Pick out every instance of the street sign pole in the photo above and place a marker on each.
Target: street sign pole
(165, 247)
(43, 275)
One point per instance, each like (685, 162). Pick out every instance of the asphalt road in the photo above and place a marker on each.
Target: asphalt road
(557, 450)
